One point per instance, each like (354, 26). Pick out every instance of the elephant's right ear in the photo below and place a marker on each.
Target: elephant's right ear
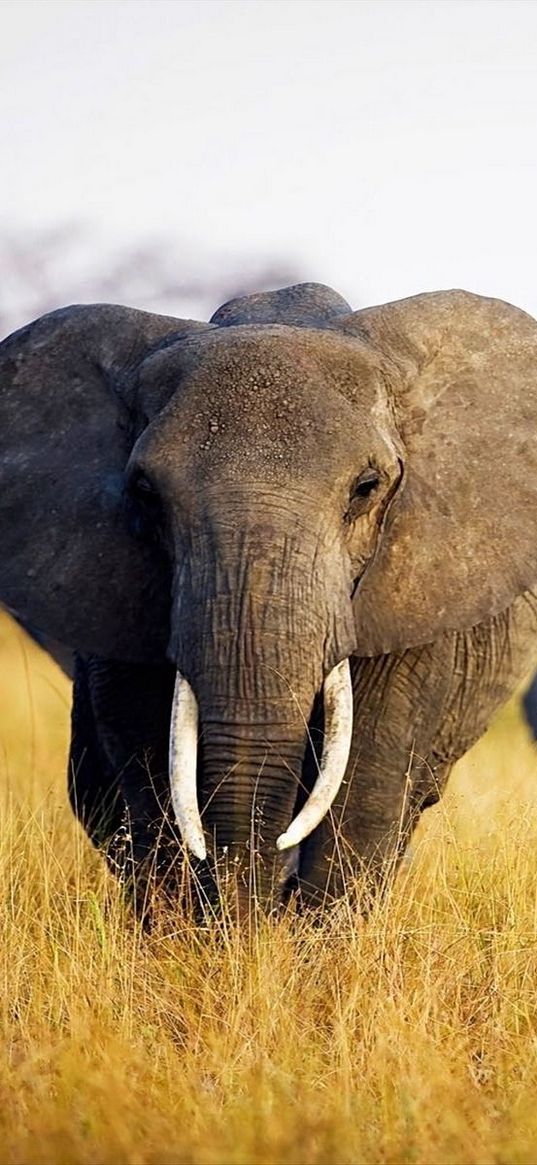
(69, 564)
(460, 539)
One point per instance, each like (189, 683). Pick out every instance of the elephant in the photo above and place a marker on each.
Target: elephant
(529, 706)
(292, 553)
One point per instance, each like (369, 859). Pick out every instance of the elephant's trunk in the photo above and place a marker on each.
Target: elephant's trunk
(259, 626)
(337, 694)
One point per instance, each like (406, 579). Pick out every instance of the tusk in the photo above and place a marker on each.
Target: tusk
(183, 766)
(338, 705)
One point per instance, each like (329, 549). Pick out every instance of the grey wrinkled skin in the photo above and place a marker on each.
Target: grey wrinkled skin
(184, 495)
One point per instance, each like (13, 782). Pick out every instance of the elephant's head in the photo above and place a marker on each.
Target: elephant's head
(258, 499)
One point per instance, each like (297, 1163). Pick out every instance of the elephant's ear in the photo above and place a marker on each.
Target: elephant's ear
(460, 542)
(305, 305)
(69, 565)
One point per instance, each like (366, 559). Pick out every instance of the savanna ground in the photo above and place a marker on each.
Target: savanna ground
(410, 1039)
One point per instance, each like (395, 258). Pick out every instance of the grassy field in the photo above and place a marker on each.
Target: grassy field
(410, 1039)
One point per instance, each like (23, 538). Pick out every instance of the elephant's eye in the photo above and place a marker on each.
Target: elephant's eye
(365, 484)
(360, 492)
(144, 510)
(144, 491)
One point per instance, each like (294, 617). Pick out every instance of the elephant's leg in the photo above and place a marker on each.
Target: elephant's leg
(363, 843)
(415, 715)
(119, 764)
(93, 787)
(389, 780)
(529, 703)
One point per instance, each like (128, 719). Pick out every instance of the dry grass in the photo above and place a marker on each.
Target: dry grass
(410, 1039)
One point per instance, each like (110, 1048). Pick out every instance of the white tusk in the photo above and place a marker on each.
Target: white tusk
(183, 766)
(338, 704)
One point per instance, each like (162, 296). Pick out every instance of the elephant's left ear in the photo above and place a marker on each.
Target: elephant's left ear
(460, 542)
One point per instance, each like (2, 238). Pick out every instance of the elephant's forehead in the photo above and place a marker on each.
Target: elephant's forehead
(276, 396)
(265, 362)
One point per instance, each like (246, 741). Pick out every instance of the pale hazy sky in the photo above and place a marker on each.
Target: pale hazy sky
(384, 147)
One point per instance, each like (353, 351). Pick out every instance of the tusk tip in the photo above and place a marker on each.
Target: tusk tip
(284, 841)
(197, 848)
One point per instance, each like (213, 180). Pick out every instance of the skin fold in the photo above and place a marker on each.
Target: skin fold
(251, 502)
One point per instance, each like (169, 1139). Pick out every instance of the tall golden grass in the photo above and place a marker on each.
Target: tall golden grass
(412, 1038)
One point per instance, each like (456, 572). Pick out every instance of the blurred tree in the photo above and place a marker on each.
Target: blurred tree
(49, 269)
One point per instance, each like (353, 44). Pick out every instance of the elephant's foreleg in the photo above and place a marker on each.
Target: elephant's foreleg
(390, 780)
(118, 780)
(93, 786)
(415, 715)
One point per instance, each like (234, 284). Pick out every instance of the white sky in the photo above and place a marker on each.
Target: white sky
(383, 147)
